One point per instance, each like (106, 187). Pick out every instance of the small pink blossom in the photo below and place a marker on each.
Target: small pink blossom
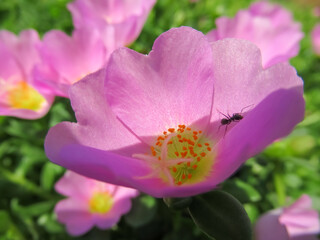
(315, 35)
(20, 95)
(66, 60)
(154, 122)
(267, 25)
(296, 222)
(91, 203)
(118, 21)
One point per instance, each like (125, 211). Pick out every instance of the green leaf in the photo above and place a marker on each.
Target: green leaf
(31, 210)
(143, 210)
(220, 216)
(5, 221)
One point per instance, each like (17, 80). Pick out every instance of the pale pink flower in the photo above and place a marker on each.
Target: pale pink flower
(66, 60)
(20, 95)
(91, 203)
(118, 21)
(267, 25)
(296, 222)
(152, 122)
(315, 35)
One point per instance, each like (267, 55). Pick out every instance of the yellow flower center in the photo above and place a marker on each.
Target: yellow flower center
(23, 96)
(181, 156)
(100, 202)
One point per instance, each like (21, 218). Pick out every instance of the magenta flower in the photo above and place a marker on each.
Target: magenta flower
(20, 95)
(119, 21)
(296, 222)
(91, 203)
(267, 25)
(316, 39)
(65, 60)
(152, 122)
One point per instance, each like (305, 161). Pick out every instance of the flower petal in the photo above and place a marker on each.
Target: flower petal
(172, 85)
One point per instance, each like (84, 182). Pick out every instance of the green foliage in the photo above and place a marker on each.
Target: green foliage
(220, 216)
(274, 178)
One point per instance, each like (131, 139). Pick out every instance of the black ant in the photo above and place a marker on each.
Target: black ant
(236, 117)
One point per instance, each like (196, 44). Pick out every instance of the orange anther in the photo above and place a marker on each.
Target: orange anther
(160, 144)
(183, 154)
(195, 133)
(152, 148)
(159, 158)
(179, 136)
(194, 155)
(189, 175)
(200, 131)
(188, 128)
(207, 144)
(183, 126)
(154, 153)
(203, 154)
(198, 159)
(194, 166)
(191, 142)
(174, 169)
(181, 141)
(177, 154)
(184, 148)
(164, 133)
(179, 163)
(199, 145)
(183, 176)
(188, 164)
(170, 142)
(171, 130)
(179, 183)
(195, 137)
(160, 138)
(157, 143)
(209, 148)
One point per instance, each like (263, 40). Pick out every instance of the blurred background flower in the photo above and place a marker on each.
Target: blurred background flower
(91, 203)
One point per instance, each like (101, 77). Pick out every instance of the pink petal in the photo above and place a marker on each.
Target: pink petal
(75, 215)
(316, 39)
(267, 25)
(23, 47)
(240, 81)
(74, 185)
(268, 227)
(119, 22)
(273, 118)
(162, 89)
(300, 219)
(71, 58)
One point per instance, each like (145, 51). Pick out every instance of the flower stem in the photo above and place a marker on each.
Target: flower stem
(280, 187)
(25, 184)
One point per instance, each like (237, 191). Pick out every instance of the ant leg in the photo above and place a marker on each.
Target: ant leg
(222, 113)
(225, 131)
(246, 107)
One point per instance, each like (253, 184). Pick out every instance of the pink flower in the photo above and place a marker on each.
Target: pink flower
(152, 122)
(20, 95)
(267, 25)
(65, 60)
(316, 39)
(297, 222)
(118, 21)
(90, 203)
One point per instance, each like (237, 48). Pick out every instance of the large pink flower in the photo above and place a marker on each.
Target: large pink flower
(119, 21)
(20, 95)
(267, 25)
(65, 60)
(152, 122)
(316, 39)
(296, 222)
(91, 203)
